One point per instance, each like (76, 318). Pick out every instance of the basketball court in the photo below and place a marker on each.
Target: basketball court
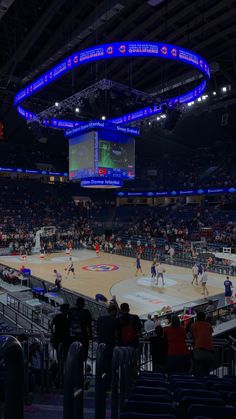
(115, 275)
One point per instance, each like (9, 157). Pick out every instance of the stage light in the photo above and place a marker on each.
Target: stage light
(103, 118)
(56, 104)
(76, 110)
(149, 123)
(199, 99)
(163, 116)
(158, 118)
(224, 89)
(214, 93)
(189, 103)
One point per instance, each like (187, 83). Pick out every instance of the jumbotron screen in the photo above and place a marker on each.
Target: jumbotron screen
(82, 156)
(101, 153)
(116, 155)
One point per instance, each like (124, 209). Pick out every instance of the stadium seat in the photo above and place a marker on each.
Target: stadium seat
(183, 392)
(151, 383)
(161, 391)
(131, 415)
(211, 411)
(160, 398)
(149, 407)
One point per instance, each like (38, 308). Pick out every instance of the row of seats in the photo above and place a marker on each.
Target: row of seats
(181, 396)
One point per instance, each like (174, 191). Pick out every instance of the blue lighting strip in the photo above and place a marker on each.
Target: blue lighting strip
(175, 193)
(102, 125)
(32, 172)
(116, 50)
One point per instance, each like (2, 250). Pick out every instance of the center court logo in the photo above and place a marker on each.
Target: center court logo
(101, 268)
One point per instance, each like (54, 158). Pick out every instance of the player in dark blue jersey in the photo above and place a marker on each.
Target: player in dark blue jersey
(153, 270)
(138, 265)
(228, 290)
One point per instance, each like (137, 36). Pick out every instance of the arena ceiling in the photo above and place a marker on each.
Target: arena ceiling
(37, 34)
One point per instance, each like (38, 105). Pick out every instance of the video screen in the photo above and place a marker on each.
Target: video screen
(82, 156)
(116, 155)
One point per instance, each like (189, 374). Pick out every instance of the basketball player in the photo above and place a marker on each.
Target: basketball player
(97, 249)
(153, 270)
(70, 268)
(195, 274)
(228, 290)
(70, 246)
(138, 265)
(160, 273)
(203, 281)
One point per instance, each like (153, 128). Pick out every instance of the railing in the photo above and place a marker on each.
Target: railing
(74, 383)
(232, 362)
(101, 382)
(35, 315)
(12, 354)
(124, 370)
(16, 318)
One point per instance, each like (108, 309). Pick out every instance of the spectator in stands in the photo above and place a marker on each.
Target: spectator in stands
(35, 364)
(81, 325)
(113, 301)
(101, 298)
(61, 329)
(178, 359)
(107, 326)
(228, 290)
(156, 321)
(203, 352)
(149, 324)
(129, 327)
(159, 348)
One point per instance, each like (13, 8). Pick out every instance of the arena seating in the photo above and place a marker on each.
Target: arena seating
(181, 396)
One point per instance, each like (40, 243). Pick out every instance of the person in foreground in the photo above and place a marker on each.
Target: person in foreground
(129, 327)
(203, 352)
(178, 356)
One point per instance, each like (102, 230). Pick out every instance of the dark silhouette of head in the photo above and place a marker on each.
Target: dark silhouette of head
(201, 316)
(159, 331)
(80, 302)
(175, 322)
(124, 308)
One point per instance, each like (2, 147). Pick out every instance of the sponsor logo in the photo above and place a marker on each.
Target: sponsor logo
(122, 49)
(174, 52)
(164, 50)
(101, 268)
(110, 50)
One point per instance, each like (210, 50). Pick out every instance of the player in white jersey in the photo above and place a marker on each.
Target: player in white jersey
(160, 273)
(70, 268)
(195, 274)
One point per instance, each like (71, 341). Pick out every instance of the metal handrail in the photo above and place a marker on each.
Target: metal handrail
(12, 353)
(74, 383)
(100, 382)
(123, 367)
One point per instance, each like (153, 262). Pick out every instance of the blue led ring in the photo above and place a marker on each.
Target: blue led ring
(116, 50)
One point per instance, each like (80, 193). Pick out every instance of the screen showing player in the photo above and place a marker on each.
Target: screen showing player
(116, 155)
(82, 156)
